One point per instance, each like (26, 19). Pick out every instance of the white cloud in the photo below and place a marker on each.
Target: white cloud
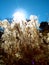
(33, 17)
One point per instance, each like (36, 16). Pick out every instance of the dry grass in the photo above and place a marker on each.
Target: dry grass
(24, 45)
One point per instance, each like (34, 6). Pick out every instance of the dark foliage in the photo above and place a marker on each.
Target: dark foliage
(44, 25)
(1, 34)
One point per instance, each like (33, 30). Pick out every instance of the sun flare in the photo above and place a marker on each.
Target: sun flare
(19, 15)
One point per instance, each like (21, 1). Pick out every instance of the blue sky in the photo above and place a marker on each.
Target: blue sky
(34, 7)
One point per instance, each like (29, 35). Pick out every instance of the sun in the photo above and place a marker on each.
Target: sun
(19, 15)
